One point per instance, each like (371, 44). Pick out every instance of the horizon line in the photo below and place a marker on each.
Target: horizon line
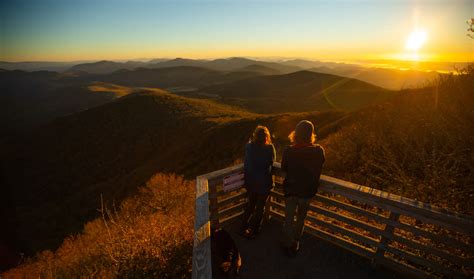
(256, 58)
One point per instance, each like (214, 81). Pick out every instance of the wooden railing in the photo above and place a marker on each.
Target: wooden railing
(398, 232)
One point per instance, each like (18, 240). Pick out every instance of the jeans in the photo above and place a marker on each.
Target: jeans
(292, 231)
(253, 214)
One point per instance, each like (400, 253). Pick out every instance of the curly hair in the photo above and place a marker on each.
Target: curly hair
(261, 136)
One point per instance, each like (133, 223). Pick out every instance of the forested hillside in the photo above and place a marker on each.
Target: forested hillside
(416, 144)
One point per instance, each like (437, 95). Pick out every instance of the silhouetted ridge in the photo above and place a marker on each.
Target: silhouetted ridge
(261, 69)
(298, 91)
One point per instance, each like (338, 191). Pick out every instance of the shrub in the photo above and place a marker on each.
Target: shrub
(418, 145)
(149, 235)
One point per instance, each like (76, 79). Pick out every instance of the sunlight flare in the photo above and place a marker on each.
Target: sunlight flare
(416, 40)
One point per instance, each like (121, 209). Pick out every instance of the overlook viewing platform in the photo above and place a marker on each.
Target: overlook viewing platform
(351, 231)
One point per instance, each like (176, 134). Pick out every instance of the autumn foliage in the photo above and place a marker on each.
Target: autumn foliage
(148, 235)
(418, 145)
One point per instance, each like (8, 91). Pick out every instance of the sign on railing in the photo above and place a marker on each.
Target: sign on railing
(233, 182)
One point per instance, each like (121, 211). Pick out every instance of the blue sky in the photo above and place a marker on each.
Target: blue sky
(337, 30)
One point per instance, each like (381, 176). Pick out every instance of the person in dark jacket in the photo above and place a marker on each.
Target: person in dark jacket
(302, 162)
(258, 163)
(225, 256)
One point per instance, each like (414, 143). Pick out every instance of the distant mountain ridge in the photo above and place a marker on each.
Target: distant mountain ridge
(226, 65)
(37, 66)
(261, 69)
(32, 99)
(297, 92)
(190, 76)
(390, 78)
(105, 67)
(35, 98)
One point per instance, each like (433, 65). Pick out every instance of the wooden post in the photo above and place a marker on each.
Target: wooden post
(266, 213)
(213, 206)
(380, 253)
(202, 232)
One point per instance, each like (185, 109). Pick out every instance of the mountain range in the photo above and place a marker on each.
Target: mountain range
(71, 138)
(297, 92)
(389, 78)
(34, 98)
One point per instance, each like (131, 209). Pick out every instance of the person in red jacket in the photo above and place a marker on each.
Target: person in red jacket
(302, 162)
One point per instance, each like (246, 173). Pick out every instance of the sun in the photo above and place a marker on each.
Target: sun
(416, 40)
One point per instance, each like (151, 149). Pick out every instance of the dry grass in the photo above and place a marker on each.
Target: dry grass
(150, 235)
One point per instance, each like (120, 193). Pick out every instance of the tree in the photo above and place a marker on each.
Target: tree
(470, 22)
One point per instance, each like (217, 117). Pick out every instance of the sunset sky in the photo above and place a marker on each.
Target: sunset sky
(63, 30)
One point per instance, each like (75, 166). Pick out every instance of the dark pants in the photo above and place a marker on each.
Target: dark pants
(253, 214)
(294, 230)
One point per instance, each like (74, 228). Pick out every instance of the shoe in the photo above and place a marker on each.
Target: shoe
(247, 233)
(295, 247)
(242, 231)
(290, 252)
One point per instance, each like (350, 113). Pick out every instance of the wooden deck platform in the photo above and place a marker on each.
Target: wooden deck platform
(263, 257)
(349, 228)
